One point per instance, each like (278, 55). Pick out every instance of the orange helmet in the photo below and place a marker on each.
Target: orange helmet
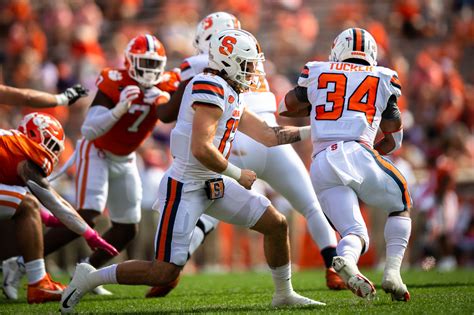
(45, 130)
(145, 60)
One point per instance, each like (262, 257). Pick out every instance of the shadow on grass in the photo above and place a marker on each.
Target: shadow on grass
(440, 285)
(229, 309)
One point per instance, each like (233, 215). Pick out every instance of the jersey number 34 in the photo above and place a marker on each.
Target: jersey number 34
(362, 99)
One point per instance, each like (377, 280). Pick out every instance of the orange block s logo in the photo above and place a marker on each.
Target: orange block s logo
(227, 45)
(207, 23)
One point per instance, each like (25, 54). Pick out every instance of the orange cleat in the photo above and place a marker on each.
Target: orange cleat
(333, 281)
(162, 291)
(45, 290)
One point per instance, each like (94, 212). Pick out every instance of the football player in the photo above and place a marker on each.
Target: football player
(348, 98)
(27, 97)
(28, 155)
(266, 162)
(201, 179)
(122, 115)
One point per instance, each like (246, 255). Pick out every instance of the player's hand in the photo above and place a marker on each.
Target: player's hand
(247, 178)
(156, 96)
(94, 241)
(127, 96)
(71, 95)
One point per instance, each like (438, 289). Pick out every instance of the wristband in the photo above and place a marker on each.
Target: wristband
(61, 99)
(232, 171)
(305, 132)
(89, 233)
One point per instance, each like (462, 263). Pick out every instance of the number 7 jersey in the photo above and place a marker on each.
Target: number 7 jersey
(347, 100)
(131, 130)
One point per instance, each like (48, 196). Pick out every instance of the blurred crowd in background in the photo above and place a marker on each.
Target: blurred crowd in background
(50, 45)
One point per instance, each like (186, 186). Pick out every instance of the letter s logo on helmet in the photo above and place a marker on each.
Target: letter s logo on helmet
(227, 45)
(237, 54)
(354, 43)
(210, 25)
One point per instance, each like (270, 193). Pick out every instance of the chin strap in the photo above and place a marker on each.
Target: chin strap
(397, 137)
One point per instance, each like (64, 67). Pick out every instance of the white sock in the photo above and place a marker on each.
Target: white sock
(397, 232)
(106, 275)
(282, 279)
(205, 225)
(35, 270)
(321, 232)
(350, 248)
(196, 240)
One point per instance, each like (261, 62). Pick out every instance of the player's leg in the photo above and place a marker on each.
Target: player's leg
(341, 206)
(23, 209)
(247, 208)
(179, 211)
(388, 190)
(298, 190)
(124, 204)
(91, 193)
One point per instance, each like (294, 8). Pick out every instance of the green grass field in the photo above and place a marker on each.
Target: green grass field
(432, 293)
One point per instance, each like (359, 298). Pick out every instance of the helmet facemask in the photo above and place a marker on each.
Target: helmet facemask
(249, 76)
(52, 145)
(146, 69)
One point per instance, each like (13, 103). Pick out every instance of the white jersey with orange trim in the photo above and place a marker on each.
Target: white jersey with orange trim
(266, 162)
(260, 101)
(347, 100)
(205, 89)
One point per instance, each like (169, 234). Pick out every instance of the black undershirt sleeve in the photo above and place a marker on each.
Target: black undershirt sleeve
(301, 94)
(392, 111)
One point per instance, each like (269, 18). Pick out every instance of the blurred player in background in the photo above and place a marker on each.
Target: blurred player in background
(348, 99)
(200, 143)
(122, 115)
(28, 155)
(27, 97)
(271, 164)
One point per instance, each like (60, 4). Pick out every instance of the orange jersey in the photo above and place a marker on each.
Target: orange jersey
(15, 147)
(136, 125)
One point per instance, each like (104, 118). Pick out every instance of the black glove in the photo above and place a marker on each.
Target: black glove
(72, 94)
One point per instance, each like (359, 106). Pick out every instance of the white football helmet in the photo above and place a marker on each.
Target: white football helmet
(210, 25)
(237, 54)
(354, 43)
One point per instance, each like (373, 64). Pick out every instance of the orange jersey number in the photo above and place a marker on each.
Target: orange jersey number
(367, 90)
(230, 127)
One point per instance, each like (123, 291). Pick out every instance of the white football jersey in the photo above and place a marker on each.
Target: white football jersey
(347, 100)
(204, 89)
(261, 101)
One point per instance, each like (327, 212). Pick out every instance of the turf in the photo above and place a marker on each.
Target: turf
(432, 293)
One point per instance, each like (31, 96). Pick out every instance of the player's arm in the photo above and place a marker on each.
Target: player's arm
(27, 97)
(103, 113)
(391, 126)
(205, 121)
(36, 181)
(295, 103)
(168, 112)
(257, 129)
